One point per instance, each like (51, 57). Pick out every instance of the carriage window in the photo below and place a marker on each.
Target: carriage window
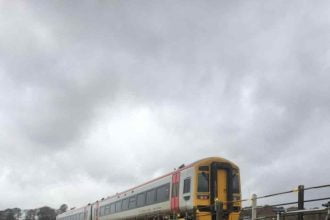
(132, 202)
(203, 182)
(107, 209)
(140, 200)
(186, 185)
(113, 208)
(151, 197)
(124, 206)
(118, 206)
(175, 190)
(101, 212)
(163, 193)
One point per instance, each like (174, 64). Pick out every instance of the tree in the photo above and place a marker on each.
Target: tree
(9, 214)
(46, 213)
(2, 215)
(63, 208)
(17, 213)
(30, 214)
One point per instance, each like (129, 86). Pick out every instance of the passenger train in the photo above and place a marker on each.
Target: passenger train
(188, 192)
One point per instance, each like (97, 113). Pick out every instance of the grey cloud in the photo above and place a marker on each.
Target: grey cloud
(105, 95)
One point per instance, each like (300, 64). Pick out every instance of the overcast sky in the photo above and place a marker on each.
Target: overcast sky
(98, 96)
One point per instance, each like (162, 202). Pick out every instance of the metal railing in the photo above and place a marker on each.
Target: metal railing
(300, 201)
(280, 214)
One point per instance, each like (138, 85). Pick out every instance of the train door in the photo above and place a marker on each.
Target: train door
(222, 186)
(175, 192)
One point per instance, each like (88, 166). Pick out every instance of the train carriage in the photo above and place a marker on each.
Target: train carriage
(189, 192)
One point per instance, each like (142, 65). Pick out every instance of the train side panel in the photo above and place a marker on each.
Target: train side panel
(149, 191)
(187, 189)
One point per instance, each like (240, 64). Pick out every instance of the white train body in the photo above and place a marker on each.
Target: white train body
(160, 187)
(174, 194)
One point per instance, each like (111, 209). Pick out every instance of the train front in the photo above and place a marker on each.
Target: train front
(218, 183)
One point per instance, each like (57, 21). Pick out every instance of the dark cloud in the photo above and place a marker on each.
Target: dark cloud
(97, 97)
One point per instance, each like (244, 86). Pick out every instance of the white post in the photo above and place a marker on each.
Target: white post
(278, 215)
(254, 206)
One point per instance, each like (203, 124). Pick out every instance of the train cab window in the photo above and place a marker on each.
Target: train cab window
(118, 206)
(140, 200)
(132, 202)
(150, 197)
(163, 193)
(186, 185)
(236, 188)
(204, 168)
(203, 182)
(124, 205)
(112, 208)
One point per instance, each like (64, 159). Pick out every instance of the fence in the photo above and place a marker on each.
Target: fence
(287, 215)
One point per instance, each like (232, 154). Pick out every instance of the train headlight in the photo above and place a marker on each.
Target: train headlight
(204, 197)
(236, 198)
